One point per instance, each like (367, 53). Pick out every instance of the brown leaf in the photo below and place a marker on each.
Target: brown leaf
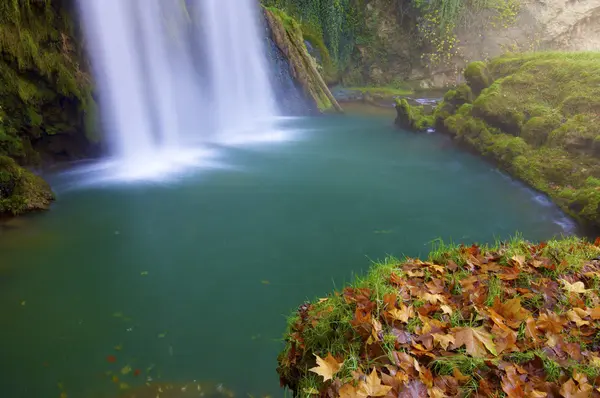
(531, 330)
(372, 386)
(595, 313)
(327, 367)
(512, 384)
(476, 341)
(461, 378)
(512, 311)
(414, 389)
(550, 322)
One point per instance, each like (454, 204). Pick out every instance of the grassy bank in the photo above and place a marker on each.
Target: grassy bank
(514, 319)
(538, 117)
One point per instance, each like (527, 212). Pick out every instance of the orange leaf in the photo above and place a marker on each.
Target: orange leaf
(372, 386)
(572, 390)
(327, 367)
(550, 322)
(403, 314)
(531, 330)
(512, 311)
(349, 391)
(443, 340)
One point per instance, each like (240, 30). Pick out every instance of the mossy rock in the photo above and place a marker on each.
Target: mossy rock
(478, 77)
(491, 319)
(412, 117)
(20, 190)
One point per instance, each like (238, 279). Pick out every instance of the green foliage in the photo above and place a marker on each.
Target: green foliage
(333, 24)
(43, 89)
(20, 190)
(538, 119)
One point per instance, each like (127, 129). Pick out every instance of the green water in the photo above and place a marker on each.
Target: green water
(195, 277)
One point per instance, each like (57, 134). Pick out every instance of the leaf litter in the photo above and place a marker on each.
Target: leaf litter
(516, 320)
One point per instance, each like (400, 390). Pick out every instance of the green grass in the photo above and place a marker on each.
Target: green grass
(383, 91)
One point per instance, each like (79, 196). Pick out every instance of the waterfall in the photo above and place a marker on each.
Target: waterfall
(177, 74)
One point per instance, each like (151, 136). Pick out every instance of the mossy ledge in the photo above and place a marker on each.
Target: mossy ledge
(20, 190)
(288, 36)
(511, 319)
(538, 117)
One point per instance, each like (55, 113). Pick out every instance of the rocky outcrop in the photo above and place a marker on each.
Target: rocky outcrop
(287, 35)
(20, 190)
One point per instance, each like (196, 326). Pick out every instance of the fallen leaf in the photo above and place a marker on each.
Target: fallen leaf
(572, 390)
(573, 316)
(577, 287)
(476, 341)
(403, 314)
(372, 386)
(531, 330)
(111, 359)
(144, 273)
(414, 389)
(433, 298)
(126, 370)
(349, 391)
(137, 372)
(327, 367)
(518, 259)
(550, 322)
(443, 340)
(446, 309)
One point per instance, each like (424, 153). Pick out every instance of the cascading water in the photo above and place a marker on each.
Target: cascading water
(174, 74)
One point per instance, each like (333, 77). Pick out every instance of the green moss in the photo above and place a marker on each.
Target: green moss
(412, 117)
(539, 119)
(288, 36)
(20, 190)
(477, 76)
(43, 87)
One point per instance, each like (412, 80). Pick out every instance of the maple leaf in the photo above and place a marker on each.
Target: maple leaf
(446, 309)
(574, 316)
(595, 313)
(443, 340)
(572, 390)
(512, 384)
(403, 314)
(550, 322)
(519, 260)
(414, 389)
(531, 330)
(433, 298)
(372, 386)
(476, 341)
(512, 311)
(349, 391)
(577, 287)
(327, 367)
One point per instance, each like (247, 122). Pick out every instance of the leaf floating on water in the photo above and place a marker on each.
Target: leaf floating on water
(265, 282)
(111, 359)
(144, 273)
(137, 372)
(126, 370)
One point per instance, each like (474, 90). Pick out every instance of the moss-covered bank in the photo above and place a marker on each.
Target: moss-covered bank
(46, 106)
(514, 319)
(538, 116)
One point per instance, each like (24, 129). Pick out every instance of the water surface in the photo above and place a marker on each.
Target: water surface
(191, 279)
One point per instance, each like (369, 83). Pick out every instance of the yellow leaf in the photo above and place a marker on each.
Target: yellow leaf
(433, 298)
(575, 317)
(447, 309)
(443, 340)
(372, 386)
(126, 370)
(577, 287)
(519, 260)
(327, 367)
(403, 314)
(349, 391)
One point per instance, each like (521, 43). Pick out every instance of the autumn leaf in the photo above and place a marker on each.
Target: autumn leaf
(577, 287)
(433, 298)
(414, 389)
(512, 311)
(446, 309)
(531, 330)
(327, 367)
(403, 314)
(550, 322)
(372, 386)
(595, 313)
(443, 340)
(518, 260)
(575, 316)
(572, 390)
(476, 341)
(349, 391)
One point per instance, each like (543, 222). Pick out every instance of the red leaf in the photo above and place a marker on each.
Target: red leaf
(111, 359)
